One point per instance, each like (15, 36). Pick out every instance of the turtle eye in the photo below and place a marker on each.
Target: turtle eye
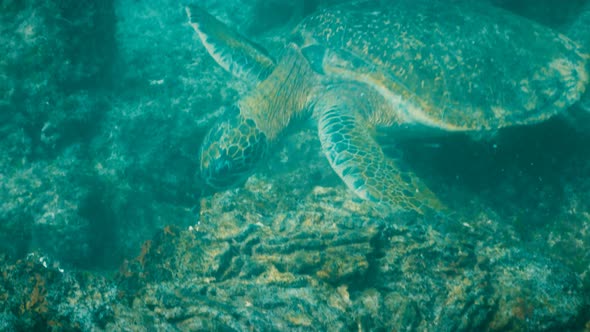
(231, 151)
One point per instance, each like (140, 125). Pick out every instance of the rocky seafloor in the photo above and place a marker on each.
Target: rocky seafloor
(102, 227)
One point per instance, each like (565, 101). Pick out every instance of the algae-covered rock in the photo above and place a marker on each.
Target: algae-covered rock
(37, 294)
(244, 266)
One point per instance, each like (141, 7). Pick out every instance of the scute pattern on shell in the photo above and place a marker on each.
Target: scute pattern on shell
(449, 66)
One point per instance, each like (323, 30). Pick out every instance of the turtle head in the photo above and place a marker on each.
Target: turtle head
(230, 151)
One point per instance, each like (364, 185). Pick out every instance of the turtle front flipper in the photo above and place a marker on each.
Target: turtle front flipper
(359, 161)
(239, 56)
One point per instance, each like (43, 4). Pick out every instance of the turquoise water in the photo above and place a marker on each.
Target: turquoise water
(103, 109)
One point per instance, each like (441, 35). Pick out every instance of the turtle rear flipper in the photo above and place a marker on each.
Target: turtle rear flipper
(360, 162)
(233, 52)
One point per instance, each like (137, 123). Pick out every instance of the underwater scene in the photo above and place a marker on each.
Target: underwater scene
(284, 165)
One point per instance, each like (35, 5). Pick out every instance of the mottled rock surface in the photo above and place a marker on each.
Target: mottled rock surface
(55, 72)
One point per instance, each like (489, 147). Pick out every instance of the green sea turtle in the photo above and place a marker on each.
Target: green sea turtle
(370, 67)
(579, 31)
